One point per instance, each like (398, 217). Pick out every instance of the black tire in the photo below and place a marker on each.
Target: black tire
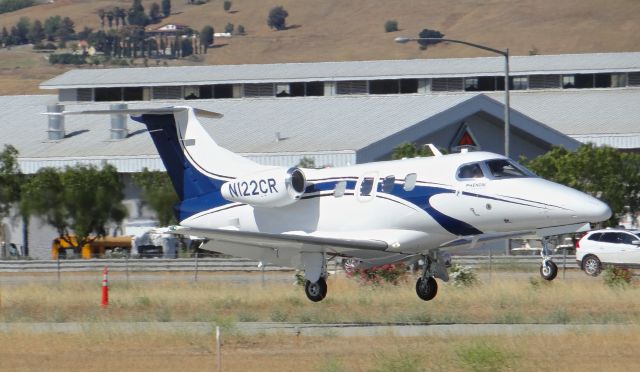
(317, 291)
(550, 271)
(426, 289)
(591, 265)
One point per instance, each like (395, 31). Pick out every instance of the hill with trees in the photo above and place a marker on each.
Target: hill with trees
(334, 30)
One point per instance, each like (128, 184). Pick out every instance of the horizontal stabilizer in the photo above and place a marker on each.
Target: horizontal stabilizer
(142, 111)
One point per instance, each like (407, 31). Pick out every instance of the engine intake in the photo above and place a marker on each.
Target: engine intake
(276, 187)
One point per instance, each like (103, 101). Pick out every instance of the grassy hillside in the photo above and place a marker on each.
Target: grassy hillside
(331, 30)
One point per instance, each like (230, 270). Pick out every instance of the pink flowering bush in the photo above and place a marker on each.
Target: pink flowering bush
(389, 273)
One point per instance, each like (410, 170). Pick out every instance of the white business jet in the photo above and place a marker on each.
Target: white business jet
(369, 214)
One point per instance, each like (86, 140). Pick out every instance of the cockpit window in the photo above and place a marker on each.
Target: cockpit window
(504, 168)
(470, 171)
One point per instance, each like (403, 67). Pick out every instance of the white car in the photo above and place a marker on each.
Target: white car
(599, 248)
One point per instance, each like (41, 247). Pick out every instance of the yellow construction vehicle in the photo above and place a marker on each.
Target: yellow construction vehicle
(96, 247)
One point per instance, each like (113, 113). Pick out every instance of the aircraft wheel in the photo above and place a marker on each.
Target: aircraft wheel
(316, 291)
(548, 270)
(426, 288)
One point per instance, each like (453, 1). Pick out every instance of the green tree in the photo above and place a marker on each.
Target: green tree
(229, 28)
(409, 150)
(206, 35)
(154, 13)
(603, 172)
(226, 5)
(81, 200)
(22, 30)
(307, 162)
(186, 48)
(427, 33)
(241, 30)
(158, 193)
(51, 26)
(391, 26)
(36, 33)
(166, 7)
(10, 178)
(277, 18)
(137, 16)
(67, 29)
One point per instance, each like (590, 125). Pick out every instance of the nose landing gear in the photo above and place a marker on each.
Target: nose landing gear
(548, 268)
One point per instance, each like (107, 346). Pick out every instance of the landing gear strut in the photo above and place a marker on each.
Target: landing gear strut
(548, 268)
(315, 272)
(434, 267)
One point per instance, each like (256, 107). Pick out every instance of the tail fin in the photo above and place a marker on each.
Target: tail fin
(196, 164)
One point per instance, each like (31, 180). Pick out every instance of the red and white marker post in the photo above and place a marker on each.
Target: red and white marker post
(105, 287)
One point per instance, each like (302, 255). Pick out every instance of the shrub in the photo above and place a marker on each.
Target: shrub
(427, 33)
(462, 276)
(617, 277)
(389, 273)
(241, 30)
(277, 18)
(391, 26)
(229, 28)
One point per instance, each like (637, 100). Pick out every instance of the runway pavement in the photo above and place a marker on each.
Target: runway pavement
(333, 330)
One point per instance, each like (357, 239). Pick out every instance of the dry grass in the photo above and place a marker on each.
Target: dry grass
(167, 351)
(334, 30)
(506, 299)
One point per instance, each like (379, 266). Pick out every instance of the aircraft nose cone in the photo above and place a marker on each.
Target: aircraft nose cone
(590, 209)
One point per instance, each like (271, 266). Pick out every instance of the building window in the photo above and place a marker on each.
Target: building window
(259, 90)
(108, 94)
(168, 92)
(447, 85)
(352, 87)
(283, 90)
(223, 91)
(578, 81)
(132, 94)
(85, 94)
(618, 80)
(205, 91)
(384, 87)
(634, 79)
(408, 86)
(297, 89)
(519, 83)
(314, 88)
(544, 82)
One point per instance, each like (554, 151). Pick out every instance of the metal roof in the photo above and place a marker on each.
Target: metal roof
(352, 70)
(333, 127)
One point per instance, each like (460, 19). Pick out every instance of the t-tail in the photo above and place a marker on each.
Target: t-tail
(205, 175)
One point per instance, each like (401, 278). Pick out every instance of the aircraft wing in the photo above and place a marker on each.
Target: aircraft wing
(371, 248)
(291, 239)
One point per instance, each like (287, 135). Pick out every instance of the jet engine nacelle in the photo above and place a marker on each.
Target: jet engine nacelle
(275, 187)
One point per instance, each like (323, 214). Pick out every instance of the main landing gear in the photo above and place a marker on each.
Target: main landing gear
(548, 268)
(315, 273)
(434, 267)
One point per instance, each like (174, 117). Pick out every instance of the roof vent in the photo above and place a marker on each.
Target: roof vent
(55, 131)
(118, 122)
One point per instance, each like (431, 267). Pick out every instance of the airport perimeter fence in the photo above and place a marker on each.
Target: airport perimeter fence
(242, 265)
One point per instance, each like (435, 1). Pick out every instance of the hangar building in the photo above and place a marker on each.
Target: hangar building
(336, 113)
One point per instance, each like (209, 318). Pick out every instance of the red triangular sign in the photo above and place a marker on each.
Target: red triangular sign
(466, 140)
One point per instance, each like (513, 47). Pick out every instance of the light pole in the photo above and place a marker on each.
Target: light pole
(505, 53)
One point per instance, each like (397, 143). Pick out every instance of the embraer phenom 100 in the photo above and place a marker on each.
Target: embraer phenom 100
(369, 214)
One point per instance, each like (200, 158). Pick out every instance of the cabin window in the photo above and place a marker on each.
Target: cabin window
(503, 168)
(341, 187)
(410, 181)
(470, 171)
(387, 183)
(366, 186)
